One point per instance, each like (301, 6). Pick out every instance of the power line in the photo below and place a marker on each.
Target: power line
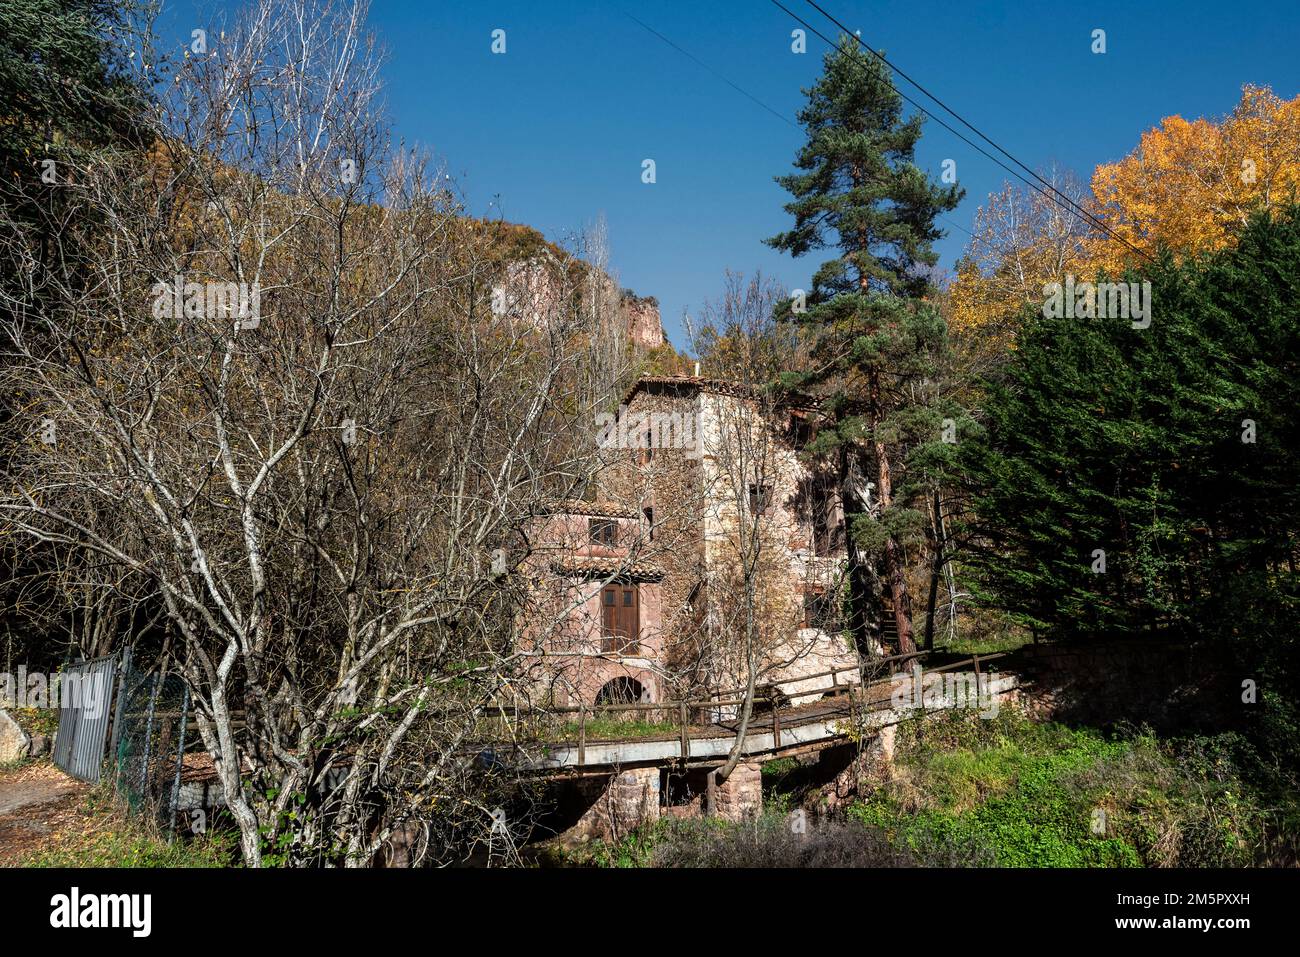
(741, 90)
(694, 59)
(1080, 213)
(961, 119)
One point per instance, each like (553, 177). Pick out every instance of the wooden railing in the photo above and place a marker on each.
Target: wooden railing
(858, 694)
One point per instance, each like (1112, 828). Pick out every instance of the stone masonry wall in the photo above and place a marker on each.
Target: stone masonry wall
(628, 800)
(1169, 686)
(667, 483)
(741, 796)
(698, 511)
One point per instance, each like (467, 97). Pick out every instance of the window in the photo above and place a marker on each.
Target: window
(818, 609)
(649, 514)
(604, 531)
(646, 453)
(822, 505)
(760, 498)
(801, 430)
(620, 618)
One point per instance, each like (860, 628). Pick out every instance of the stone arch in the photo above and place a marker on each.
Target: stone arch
(622, 690)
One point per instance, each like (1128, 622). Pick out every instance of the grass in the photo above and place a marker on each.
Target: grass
(1045, 795)
(1007, 792)
(100, 833)
(617, 729)
(989, 644)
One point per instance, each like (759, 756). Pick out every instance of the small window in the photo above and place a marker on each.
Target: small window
(760, 498)
(824, 527)
(818, 610)
(801, 431)
(649, 514)
(604, 531)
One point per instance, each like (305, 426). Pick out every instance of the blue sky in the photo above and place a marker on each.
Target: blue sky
(553, 132)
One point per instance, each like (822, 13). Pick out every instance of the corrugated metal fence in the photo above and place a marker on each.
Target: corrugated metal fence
(148, 714)
(86, 698)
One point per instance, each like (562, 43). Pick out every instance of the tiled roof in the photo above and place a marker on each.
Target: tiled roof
(574, 506)
(607, 568)
(705, 384)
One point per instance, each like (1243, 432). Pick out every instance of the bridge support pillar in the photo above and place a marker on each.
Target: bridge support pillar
(851, 769)
(740, 796)
(630, 799)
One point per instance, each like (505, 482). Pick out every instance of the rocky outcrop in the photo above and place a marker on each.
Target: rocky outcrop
(14, 742)
(645, 329)
(533, 293)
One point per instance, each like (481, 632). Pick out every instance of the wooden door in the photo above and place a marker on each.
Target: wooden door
(620, 607)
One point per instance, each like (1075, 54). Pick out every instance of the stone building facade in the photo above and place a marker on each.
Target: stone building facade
(595, 631)
(704, 499)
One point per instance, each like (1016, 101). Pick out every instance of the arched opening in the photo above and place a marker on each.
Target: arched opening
(621, 691)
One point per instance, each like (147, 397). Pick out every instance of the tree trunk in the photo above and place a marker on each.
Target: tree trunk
(894, 570)
(861, 592)
(937, 544)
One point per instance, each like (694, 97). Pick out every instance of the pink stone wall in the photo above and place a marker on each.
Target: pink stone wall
(563, 632)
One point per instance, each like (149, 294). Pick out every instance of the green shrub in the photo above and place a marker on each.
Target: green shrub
(1044, 795)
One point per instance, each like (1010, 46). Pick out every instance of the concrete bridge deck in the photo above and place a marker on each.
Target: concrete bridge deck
(814, 726)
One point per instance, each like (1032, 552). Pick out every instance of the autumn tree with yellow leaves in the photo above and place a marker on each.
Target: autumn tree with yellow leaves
(1189, 187)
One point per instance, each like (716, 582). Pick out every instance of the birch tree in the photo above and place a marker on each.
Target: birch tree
(284, 374)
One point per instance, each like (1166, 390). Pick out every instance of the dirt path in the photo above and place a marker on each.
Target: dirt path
(36, 801)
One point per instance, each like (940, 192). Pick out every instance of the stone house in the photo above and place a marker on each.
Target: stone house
(703, 499)
(596, 627)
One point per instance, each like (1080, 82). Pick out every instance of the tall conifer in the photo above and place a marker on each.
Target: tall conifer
(875, 331)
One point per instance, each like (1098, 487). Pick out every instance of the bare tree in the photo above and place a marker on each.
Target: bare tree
(755, 620)
(285, 377)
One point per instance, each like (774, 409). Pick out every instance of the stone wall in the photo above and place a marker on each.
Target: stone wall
(1170, 686)
(622, 802)
(664, 485)
(699, 502)
(741, 796)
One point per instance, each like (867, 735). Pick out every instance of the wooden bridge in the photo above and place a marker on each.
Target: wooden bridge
(841, 707)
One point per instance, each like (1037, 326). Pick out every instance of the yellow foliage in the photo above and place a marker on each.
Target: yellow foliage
(1192, 185)
(1189, 185)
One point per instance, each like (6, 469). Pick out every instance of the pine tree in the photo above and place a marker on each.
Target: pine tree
(875, 333)
(65, 84)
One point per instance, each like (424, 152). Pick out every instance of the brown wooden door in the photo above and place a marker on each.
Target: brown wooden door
(620, 608)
